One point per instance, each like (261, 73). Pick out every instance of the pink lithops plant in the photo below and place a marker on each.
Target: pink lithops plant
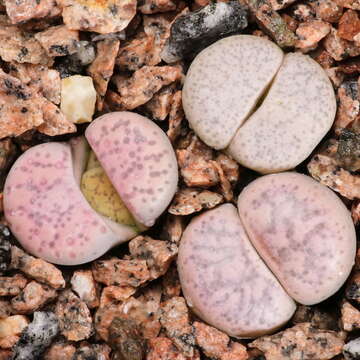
(292, 239)
(138, 159)
(52, 218)
(243, 95)
(47, 211)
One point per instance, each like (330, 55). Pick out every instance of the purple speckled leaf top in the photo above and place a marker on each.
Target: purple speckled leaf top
(139, 160)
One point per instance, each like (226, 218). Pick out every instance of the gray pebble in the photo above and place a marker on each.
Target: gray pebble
(194, 31)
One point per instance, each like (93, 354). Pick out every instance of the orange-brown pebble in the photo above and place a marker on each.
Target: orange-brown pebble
(32, 297)
(27, 108)
(84, 285)
(230, 167)
(55, 121)
(37, 269)
(121, 272)
(35, 89)
(325, 168)
(335, 76)
(74, 317)
(101, 69)
(12, 285)
(143, 310)
(162, 348)
(225, 185)
(105, 315)
(158, 254)
(348, 109)
(328, 10)
(291, 22)
(340, 48)
(138, 52)
(173, 228)
(302, 11)
(175, 320)
(40, 79)
(103, 16)
(10, 330)
(113, 293)
(188, 201)
(350, 317)
(158, 26)
(58, 40)
(302, 338)
(21, 109)
(324, 59)
(195, 164)
(176, 117)
(216, 344)
(60, 351)
(22, 11)
(161, 103)
(349, 25)
(15, 45)
(144, 83)
(310, 33)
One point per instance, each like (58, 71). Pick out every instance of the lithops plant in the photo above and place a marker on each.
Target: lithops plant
(266, 109)
(50, 215)
(290, 239)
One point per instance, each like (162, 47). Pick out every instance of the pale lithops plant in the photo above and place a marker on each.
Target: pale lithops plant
(225, 82)
(292, 238)
(267, 110)
(52, 218)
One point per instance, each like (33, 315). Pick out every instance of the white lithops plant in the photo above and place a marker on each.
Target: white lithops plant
(266, 109)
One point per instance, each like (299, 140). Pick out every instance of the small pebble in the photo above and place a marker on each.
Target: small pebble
(37, 336)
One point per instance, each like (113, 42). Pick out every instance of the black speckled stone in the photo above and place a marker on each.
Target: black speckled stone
(194, 31)
(37, 336)
(349, 150)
